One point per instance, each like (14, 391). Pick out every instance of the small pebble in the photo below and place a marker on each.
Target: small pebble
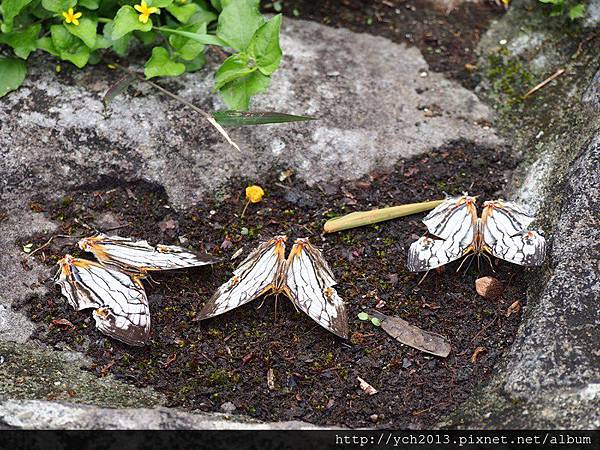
(489, 288)
(228, 407)
(374, 418)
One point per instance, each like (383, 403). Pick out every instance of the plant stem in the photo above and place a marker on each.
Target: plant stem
(361, 218)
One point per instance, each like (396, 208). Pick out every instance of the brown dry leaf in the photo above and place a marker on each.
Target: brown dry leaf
(168, 224)
(489, 288)
(271, 379)
(62, 323)
(170, 360)
(106, 368)
(513, 309)
(246, 359)
(413, 336)
(366, 387)
(476, 354)
(470, 67)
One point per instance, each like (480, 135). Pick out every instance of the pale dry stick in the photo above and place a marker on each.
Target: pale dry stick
(190, 105)
(537, 87)
(361, 218)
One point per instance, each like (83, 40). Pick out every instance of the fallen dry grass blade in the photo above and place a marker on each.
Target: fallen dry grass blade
(362, 218)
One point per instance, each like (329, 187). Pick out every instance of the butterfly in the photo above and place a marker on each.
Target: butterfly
(141, 257)
(455, 231)
(304, 277)
(113, 285)
(120, 304)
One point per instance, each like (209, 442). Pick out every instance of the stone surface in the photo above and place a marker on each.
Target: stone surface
(373, 99)
(35, 414)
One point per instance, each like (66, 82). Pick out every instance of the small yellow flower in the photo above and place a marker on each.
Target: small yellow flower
(145, 11)
(72, 16)
(254, 194)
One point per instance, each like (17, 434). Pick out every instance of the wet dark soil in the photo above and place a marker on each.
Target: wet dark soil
(202, 365)
(446, 32)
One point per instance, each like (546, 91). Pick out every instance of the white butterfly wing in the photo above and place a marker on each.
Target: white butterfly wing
(506, 216)
(452, 215)
(506, 236)
(139, 256)
(251, 279)
(120, 302)
(310, 286)
(427, 253)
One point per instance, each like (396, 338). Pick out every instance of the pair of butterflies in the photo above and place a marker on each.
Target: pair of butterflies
(456, 230)
(113, 287)
(304, 277)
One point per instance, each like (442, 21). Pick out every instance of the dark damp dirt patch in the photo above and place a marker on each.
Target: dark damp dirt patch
(447, 36)
(202, 365)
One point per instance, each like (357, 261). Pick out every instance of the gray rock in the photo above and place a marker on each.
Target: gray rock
(32, 372)
(228, 407)
(55, 134)
(592, 17)
(35, 414)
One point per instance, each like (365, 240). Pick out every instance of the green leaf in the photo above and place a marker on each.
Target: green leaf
(375, 321)
(264, 46)
(363, 316)
(22, 42)
(160, 3)
(86, 30)
(203, 16)
(187, 48)
(234, 67)
(577, 11)
(89, 4)
(10, 10)
(146, 38)
(239, 118)
(196, 64)
(69, 47)
(161, 65)
(119, 46)
(58, 6)
(127, 21)
(12, 74)
(183, 13)
(237, 93)
(238, 21)
(207, 39)
(46, 44)
(216, 4)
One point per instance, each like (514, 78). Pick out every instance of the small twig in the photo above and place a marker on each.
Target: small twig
(544, 83)
(50, 240)
(489, 324)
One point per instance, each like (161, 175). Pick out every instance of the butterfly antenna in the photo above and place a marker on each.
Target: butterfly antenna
(471, 262)
(490, 262)
(463, 261)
